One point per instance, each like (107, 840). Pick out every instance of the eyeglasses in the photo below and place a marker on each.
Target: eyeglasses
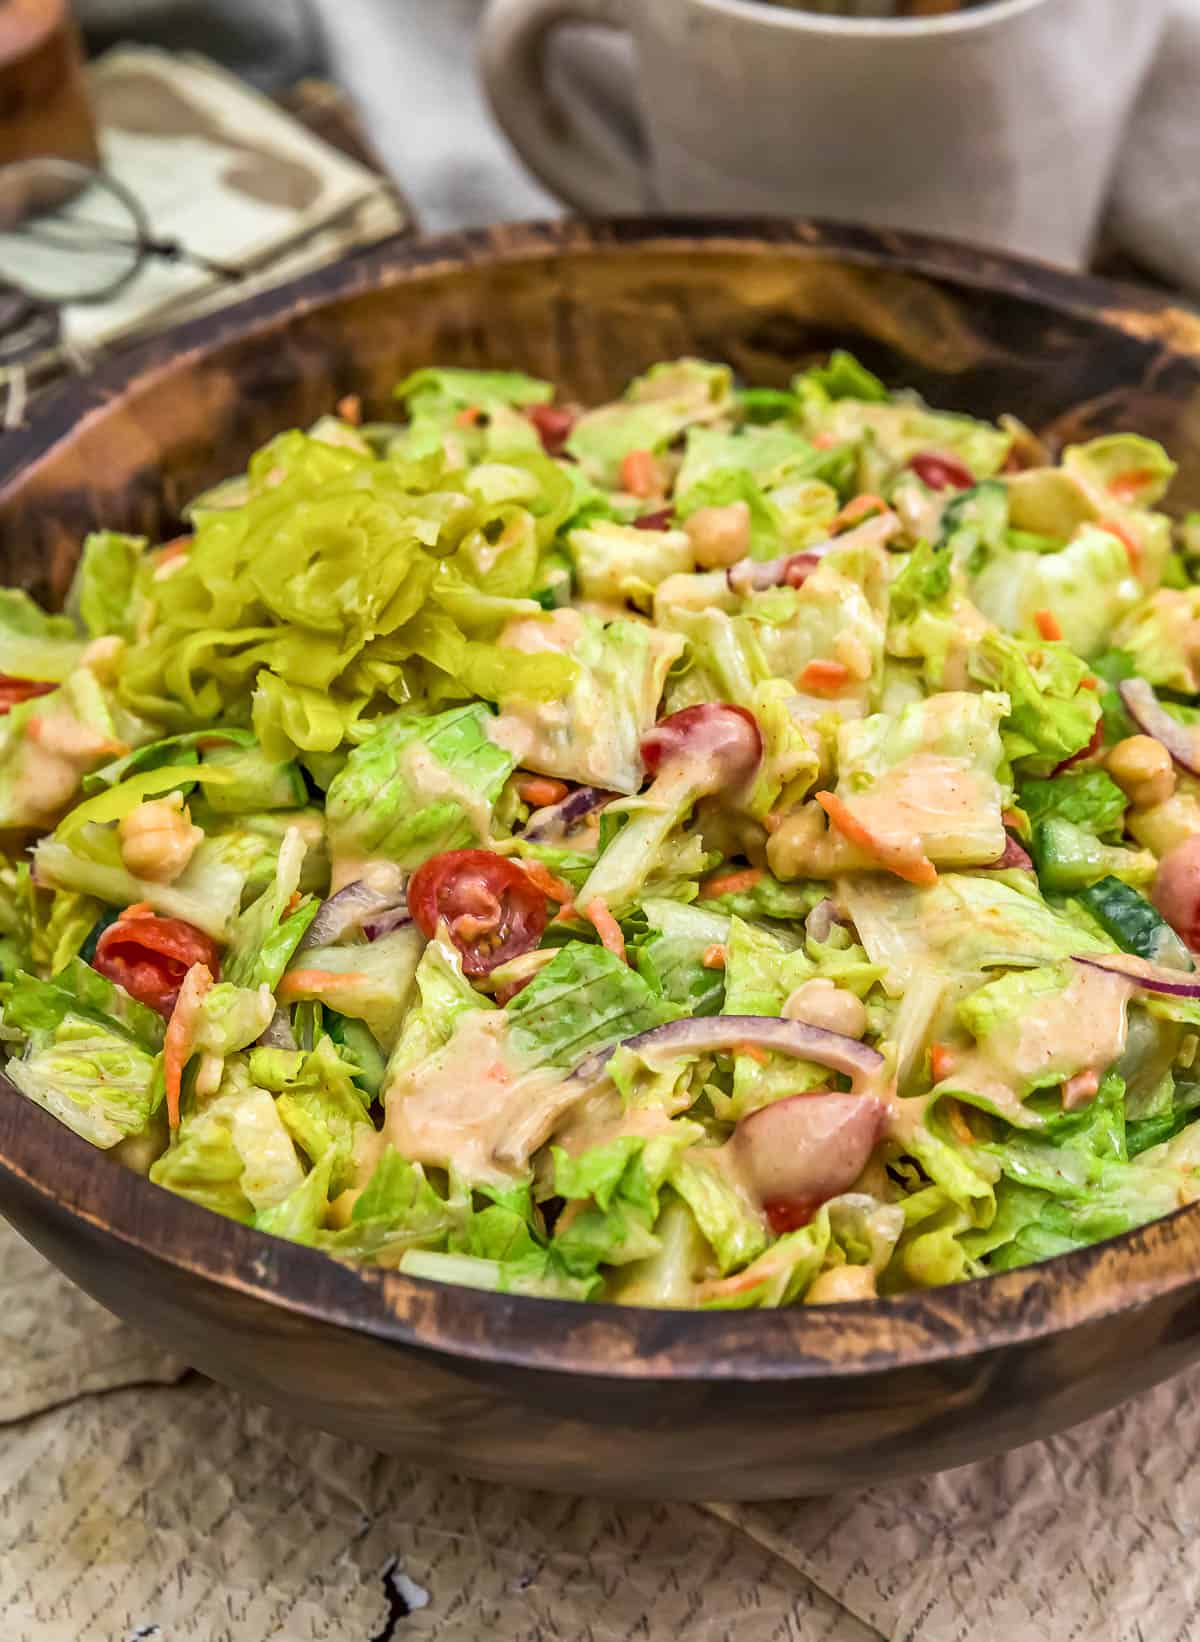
(70, 234)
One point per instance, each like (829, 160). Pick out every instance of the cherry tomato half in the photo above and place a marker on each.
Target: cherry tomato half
(941, 472)
(491, 908)
(149, 956)
(788, 1214)
(13, 691)
(728, 737)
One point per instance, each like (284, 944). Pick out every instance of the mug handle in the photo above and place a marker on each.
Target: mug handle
(590, 174)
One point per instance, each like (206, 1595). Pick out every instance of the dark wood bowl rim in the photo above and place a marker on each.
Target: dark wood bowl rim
(619, 1341)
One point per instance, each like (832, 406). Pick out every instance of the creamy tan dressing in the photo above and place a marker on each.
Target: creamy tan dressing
(923, 806)
(431, 781)
(468, 1108)
(601, 1118)
(1081, 1028)
(56, 751)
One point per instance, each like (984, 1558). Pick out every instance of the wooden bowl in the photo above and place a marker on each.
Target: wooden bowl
(542, 1393)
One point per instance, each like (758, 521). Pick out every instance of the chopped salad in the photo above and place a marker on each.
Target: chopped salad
(728, 847)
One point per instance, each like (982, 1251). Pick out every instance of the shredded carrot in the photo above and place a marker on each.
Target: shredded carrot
(941, 1061)
(139, 909)
(294, 900)
(913, 869)
(1047, 624)
(1090, 682)
(641, 474)
(1079, 1089)
(959, 1124)
(1125, 487)
(754, 1052)
(714, 956)
(1131, 546)
(824, 678)
(349, 408)
(856, 511)
(540, 790)
(177, 548)
(299, 981)
(772, 822)
(470, 416)
(1014, 818)
(824, 441)
(606, 926)
(181, 1029)
(552, 887)
(730, 883)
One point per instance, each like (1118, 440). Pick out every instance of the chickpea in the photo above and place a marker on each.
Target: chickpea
(720, 536)
(158, 839)
(1142, 768)
(820, 1003)
(841, 1283)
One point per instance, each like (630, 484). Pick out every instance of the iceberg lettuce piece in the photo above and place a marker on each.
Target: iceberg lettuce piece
(616, 563)
(1035, 1028)
(105, 585)
(256, 783)
(208, 893)
(434, 397)
(925, 783)
(48, 744)
(263, 940)
(842, 376)
(444, 993)
(584, 1000)
(900, 428)
(372, 982)
(231, 1152)
(34, 1005)
(1087, 798)
(760, 973)
(656, 407)
(734, 1228)
(670, 957)
(673, 1274)
(98, 1082)
(33, 644)
(232, 1017)
(779, 1276)
(415, 787)
(618, 1185)
(321, 1106)
(1051, 715)
(1087, 587)
(1161, 637)
(301, 1214)
(964, 924)
(593, 734)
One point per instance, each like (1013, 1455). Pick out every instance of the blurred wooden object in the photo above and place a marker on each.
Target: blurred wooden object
(44, 106)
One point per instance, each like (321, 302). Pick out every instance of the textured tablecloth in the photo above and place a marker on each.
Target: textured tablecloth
(140, 1501)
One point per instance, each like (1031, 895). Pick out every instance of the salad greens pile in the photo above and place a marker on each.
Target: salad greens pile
(724, 848)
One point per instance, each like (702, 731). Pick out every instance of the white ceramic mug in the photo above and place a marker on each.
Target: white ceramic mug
(1000, 124)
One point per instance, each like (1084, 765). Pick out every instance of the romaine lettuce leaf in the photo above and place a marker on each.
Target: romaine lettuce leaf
(416, 787)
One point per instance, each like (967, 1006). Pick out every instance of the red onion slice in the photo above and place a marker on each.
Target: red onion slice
(1147, 976)
(707, 1034)
(821, 919)
(1015, 855)
(552, 823)
(350, 910)
(793, 569)
(1152, 718)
